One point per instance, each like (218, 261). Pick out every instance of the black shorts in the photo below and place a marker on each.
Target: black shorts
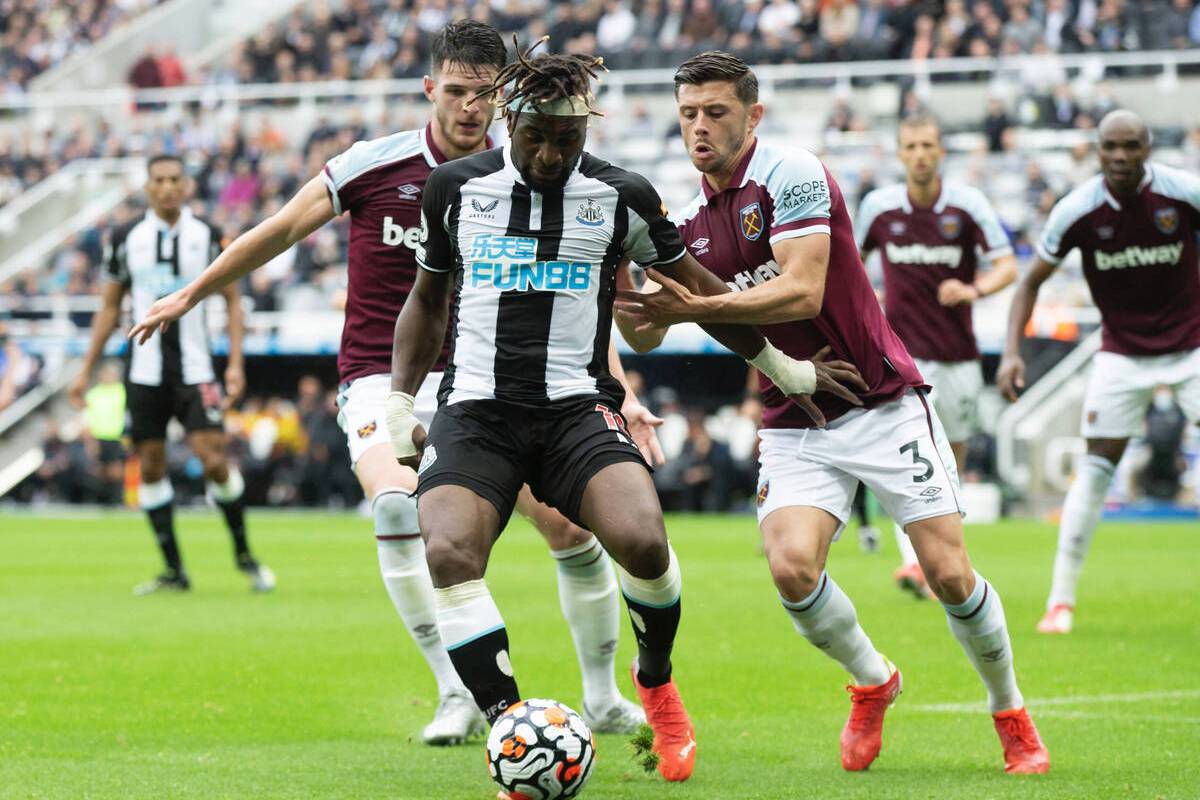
(111, 451)
(197, 407)
(493, 447)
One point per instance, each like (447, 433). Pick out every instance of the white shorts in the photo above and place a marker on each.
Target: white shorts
(898, 450)
(1120, 389)
(361, 410)
(955, 396)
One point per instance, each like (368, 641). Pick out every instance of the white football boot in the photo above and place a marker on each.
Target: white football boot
(624, 716)
(457, 719)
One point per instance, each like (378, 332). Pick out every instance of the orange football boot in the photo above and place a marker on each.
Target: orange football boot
(1024, 753)
(674, 736)
(910, 578)
(1058, 619)
(862, 737)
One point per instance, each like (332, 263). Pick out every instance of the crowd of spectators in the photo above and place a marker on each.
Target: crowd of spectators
(35, 35)
(389, 38)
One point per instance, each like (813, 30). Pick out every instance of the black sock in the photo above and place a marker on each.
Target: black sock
(162, 520)
(860, 507)
(654, 629)
(478, 664)
(235, 518)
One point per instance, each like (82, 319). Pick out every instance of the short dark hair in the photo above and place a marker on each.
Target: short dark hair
(920, 119)
(164, 157)
(470, 43)
(717, 65)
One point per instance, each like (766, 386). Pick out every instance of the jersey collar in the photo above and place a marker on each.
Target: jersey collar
(1111, 199)
(939, 202)
(159, 223)
(739, 175)
(433, 155)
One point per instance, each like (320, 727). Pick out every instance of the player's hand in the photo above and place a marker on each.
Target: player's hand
(1010, 376)
(164, 311)
(235, 385)
(404, 429)
(77, 390)
(641, 424)
(672, 303)
(836, 377)
(953, 292)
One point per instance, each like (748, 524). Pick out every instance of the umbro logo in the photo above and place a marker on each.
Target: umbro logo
(408, 191)
(700, 246)
(896, 228)
(932, 491)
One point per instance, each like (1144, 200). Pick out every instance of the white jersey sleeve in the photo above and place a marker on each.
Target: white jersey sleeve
(992, 239)
(1056, 241)
(799, 191)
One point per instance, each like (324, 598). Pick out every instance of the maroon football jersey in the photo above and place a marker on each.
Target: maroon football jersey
(380, 183)
(920, 248)
(777, 195)
(1139, 259)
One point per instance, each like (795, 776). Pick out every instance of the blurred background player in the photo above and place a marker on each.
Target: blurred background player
(380, 184)
(776, 229)
(172, 375)
(930, 234)
(1135, 224)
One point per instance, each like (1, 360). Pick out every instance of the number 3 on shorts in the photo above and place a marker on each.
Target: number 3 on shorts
(919, 460)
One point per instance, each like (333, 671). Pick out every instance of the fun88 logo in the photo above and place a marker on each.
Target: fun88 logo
(545, 276)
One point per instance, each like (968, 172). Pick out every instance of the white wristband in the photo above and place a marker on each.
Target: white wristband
(401, 423)
(790, 375)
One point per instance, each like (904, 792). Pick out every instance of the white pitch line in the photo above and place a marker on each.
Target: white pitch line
(1073, 700)
(1157, 720)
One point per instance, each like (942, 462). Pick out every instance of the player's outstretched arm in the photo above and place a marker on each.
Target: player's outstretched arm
(104, 322)
(796, 294)
(797, 379)
(420, 334)
(1010, 376)
(308, 210)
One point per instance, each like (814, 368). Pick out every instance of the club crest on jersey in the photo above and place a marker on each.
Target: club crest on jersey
(590, 214)
(366, 430)
(752, 221)
(1166, 220)
(950, 226)
(763, 491)
(408, 191)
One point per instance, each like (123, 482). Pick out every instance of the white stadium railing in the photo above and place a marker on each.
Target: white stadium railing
(1092, 65)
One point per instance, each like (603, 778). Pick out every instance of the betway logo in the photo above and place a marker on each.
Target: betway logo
(394, 234)
(756, 276)
(1140, 257)
(946, 255)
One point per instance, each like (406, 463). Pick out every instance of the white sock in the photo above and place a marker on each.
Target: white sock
(230, 490)
(978, 624)
(827, 619)
(406, 577)
(587, 591)
(1081, 513)
(904, 545)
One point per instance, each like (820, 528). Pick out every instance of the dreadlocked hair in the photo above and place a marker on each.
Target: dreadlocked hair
(545, 78)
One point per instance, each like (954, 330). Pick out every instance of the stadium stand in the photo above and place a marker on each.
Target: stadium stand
(35, 35)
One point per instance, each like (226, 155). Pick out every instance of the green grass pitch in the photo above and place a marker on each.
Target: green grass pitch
(316, 692)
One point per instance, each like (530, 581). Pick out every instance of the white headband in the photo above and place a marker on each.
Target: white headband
(573, 106)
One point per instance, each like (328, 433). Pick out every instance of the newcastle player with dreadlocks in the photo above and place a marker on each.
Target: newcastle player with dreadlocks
(528, 240)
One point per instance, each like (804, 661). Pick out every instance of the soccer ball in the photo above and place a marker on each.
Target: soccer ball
(540, 750)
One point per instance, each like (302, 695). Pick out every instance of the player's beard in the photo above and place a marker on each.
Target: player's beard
(725, 161)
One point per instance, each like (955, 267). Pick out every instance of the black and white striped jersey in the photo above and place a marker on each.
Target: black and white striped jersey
(536, 273)
(152, 259)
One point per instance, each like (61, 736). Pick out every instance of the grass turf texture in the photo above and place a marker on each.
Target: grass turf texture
(316, 691)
